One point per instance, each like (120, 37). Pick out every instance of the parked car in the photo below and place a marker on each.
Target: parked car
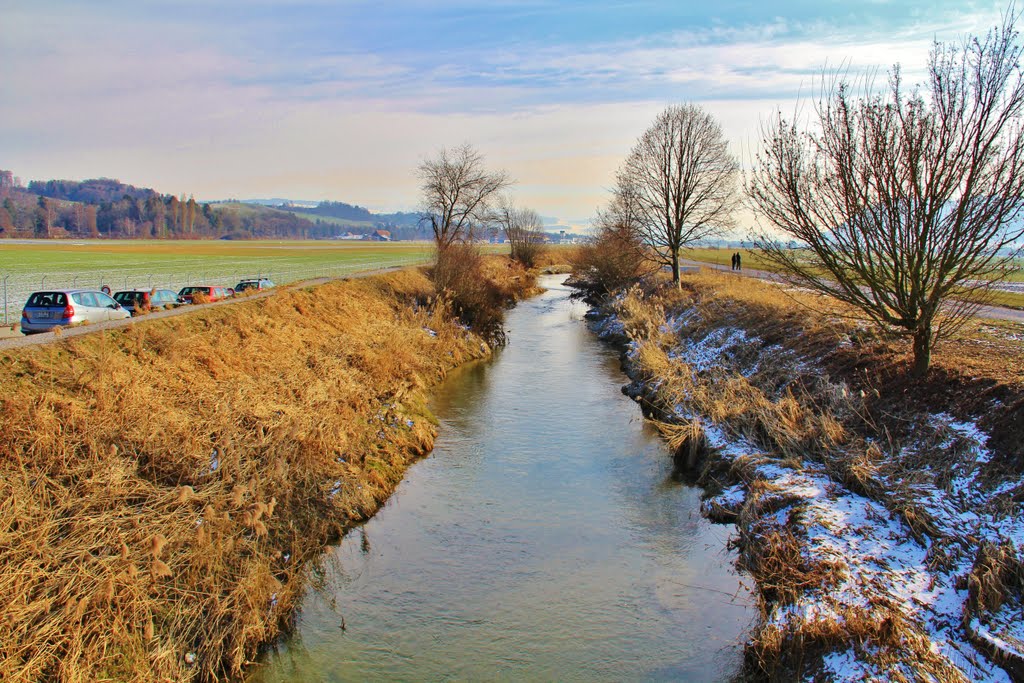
(137, 301)
(46, 310)
(256, 283)
(202, 294)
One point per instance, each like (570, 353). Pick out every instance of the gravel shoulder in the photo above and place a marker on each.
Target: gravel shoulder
(11, 337)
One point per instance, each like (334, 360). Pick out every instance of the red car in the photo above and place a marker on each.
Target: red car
(202, 294)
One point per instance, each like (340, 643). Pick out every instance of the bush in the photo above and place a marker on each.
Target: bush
(612, 260)
(459, 279)
(527, 248)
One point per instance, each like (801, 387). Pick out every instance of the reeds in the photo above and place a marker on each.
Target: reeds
(163, 487)
(770, 374)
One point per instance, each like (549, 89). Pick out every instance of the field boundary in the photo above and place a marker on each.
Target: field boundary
(15, 288)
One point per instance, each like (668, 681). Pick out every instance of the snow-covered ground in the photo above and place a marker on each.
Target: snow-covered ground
(881, 567)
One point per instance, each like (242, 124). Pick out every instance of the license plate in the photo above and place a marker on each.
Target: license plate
(43, 315)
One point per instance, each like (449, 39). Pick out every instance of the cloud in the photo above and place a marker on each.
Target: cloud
(320, 99)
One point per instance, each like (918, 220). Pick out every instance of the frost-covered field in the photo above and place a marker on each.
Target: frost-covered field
(899, 539)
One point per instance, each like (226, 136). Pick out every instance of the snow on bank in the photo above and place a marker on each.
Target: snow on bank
(880, 564)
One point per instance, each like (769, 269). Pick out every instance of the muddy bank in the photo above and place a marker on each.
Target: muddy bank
(883, 529)
(163, 487)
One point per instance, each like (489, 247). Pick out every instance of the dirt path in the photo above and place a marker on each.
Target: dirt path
(13, 338)
(991, 312)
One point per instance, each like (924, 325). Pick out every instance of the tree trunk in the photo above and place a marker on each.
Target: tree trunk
(675, 269)
(922, 351)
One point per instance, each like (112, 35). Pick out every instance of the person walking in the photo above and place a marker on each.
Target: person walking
(739, 262)
(734, 261)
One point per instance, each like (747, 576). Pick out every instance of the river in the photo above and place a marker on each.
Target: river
(546, 537)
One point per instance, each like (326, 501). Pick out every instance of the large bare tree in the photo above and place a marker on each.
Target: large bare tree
(457, 191)
(904, 203)
(679, 181)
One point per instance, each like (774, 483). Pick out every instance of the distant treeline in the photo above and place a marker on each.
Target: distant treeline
(105, 207)
(402, 226)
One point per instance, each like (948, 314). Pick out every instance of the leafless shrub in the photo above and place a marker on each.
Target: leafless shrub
(613, 259)
(524, 230)
(903, 204)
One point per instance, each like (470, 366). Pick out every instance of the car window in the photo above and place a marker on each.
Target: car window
(84, 298)
(104, 301)
(44, 299)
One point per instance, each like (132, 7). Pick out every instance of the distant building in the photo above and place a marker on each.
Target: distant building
(380, 236)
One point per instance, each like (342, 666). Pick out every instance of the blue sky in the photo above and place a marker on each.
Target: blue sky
(341, 100)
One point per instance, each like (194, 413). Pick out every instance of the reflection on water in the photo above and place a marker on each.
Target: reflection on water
(544, 539)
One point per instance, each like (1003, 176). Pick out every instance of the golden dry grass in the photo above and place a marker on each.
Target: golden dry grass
(162, 488)
(833, 395)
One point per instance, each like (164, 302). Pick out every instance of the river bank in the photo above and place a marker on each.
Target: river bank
(545, 538)
(879, 518)
(163, 487)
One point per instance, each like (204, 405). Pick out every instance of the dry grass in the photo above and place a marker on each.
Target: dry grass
(478, 288)
(802, 384)
(162, 488)
(879, 635)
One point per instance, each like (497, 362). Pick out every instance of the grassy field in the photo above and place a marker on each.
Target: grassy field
(27, 266)
(48, 256)
(751, 259)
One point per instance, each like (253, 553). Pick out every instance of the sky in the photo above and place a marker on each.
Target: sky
(343, 99)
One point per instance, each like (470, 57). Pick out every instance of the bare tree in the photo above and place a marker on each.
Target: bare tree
(456, 193)
(616, 256)
(679, 183)
(904, 202)
(524, 230)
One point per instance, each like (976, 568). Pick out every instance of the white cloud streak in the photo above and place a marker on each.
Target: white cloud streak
(178, 107)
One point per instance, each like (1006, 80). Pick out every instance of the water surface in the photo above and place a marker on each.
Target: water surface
(545, 538)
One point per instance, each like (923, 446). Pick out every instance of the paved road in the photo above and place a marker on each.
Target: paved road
(991, 312)
(15, 340)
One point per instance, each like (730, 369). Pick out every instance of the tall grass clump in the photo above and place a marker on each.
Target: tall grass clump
(164, 487)
(478, 288)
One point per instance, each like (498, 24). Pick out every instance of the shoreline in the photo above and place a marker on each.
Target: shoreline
(167, 484)
(875, 554)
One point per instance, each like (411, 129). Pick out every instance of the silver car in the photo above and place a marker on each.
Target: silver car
(46, 310)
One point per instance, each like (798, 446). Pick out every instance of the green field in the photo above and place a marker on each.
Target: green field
(751, 259)
(92, 256)
(27, 266)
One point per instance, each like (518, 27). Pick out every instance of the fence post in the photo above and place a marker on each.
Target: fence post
(6, 322)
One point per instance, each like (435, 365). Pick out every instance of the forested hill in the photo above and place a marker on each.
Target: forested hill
(351, 212)
(96, 191)
(104, 207)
